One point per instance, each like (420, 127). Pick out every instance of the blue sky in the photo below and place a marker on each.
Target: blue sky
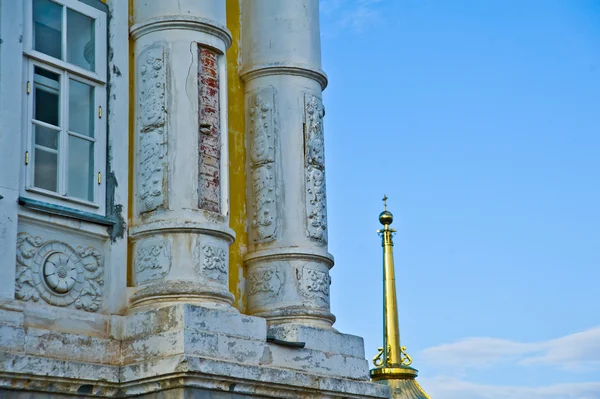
(481, 122)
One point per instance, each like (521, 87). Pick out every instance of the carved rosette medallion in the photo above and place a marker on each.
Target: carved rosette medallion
(314, 168)
(209, 138)
(152, 260)
(314, 283)
(262, 139)
(152, 148)
(58, 274)
(211, 262)
(264, 281)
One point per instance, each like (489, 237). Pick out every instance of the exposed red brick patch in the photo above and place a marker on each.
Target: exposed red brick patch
(209, 131)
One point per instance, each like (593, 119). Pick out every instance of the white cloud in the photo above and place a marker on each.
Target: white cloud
(357, 15)
(450, 388)
(575, 352)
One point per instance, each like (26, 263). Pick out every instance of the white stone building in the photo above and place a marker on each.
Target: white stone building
(163, 227)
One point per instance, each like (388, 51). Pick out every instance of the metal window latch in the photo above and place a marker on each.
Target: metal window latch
(26, 157)
(99, 177)
(28, 87)
(100, 112)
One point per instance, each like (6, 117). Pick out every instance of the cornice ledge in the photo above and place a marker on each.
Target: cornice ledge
(175, 226)
(291, 253)
(181, 22)
(285, 68)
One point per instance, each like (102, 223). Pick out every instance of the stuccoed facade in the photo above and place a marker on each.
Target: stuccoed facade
(164, 234)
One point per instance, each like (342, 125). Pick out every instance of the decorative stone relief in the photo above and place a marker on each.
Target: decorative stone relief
(211, 262)
(314, 168)
(152, 260)
(209, 140)
(152, 130)
(262, 163)
(264, 280)
(57, 273)
(314, 283)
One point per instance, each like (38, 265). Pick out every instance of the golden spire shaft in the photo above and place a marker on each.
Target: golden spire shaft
(391, 329)
(392, 355)
(392, 364)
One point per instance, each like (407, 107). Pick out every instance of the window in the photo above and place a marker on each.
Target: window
(65, 129)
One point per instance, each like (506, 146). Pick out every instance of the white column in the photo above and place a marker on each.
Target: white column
(180, 208)
(288, 262)
(118, 122)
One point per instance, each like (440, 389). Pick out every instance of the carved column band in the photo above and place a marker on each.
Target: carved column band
(288, 262)
(179, 226)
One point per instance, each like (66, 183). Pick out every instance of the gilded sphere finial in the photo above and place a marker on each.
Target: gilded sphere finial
(385, 217)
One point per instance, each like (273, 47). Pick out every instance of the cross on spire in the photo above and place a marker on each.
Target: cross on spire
(384, 199)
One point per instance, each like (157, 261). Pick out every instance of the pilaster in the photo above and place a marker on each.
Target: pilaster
(11, 92)
(180, 227)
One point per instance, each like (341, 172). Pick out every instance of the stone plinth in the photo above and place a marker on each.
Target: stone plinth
(179, 350)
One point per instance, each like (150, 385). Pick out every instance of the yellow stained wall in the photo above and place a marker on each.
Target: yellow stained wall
(237, 157)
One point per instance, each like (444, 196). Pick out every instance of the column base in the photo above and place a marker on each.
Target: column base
(294, 315)
(290, 285)
(163, 293)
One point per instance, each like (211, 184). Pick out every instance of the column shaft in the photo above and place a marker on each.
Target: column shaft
(180, 227)
(288, 262)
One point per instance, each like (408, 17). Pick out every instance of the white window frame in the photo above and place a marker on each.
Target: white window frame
(97, 79)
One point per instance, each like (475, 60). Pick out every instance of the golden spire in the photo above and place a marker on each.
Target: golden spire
(392, 365)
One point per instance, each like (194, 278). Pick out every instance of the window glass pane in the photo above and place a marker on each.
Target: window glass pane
(80, 40)
(81, 108)
(45, 174)
(81, 169)
(47, 28)
(46, 96)
(45, 137)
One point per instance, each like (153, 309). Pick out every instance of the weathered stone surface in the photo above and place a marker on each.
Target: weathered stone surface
(320, 339)
(216, 334)
(246, 379)
(195, 393)
(235, 324)
(72, 347)
(11, 317)
(47, 368)
(319, 362)
(160, 344)
(70, 321)
(183, 346)
(12, 339)
(152, 321)
(225, 347)
(192, 317)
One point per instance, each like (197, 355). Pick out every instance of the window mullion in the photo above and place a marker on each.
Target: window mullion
(100, 136)
(64, 156)
(64, 140)
(94, 159)
(64, 34)
(29, 137)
